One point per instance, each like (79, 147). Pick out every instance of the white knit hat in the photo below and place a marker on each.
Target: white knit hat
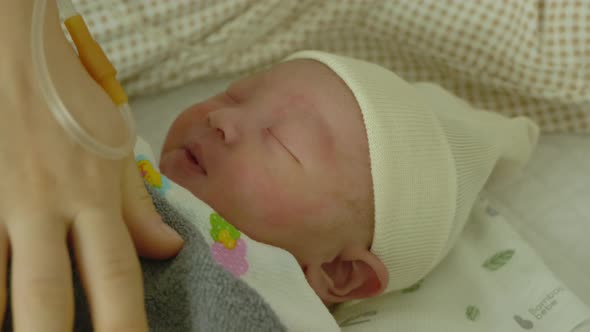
(431, 154)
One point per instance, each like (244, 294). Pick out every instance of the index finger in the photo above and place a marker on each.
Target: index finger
(110, 272)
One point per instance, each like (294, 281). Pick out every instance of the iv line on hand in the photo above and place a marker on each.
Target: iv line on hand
(97, 65)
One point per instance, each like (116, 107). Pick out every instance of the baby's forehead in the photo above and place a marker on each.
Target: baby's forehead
(298, 74)
(310, 71)
(303, 82)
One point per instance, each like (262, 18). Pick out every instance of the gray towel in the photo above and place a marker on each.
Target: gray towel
(190, 292)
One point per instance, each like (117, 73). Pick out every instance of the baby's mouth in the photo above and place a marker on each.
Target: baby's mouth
(193, 157)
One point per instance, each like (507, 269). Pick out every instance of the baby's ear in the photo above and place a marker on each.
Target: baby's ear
(356, 275)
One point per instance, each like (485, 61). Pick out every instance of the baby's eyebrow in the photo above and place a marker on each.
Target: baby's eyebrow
(302, 104)
(246, 85)
(292, 109)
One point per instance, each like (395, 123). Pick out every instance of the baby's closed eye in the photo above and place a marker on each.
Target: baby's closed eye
(282, 144)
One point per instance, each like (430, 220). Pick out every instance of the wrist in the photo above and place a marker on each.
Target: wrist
(16, 27)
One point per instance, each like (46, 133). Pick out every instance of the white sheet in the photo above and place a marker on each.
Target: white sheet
(549, 204)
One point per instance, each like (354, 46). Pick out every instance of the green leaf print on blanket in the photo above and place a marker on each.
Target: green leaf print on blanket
(498, 260)
(472, 313)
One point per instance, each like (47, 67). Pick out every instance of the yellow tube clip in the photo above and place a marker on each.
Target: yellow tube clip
(95, 60)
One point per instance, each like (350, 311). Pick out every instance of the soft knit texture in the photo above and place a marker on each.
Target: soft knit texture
(491, 281)
(431, 154)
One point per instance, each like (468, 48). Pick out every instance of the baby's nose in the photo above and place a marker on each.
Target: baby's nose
(225, 122)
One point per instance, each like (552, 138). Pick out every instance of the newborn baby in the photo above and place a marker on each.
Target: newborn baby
(364, 178)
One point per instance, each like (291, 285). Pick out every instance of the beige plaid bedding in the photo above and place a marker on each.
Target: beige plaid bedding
(517, 57)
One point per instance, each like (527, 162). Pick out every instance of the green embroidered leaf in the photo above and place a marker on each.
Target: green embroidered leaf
(524, 323)
(218, 224)
(472, 313)
(358, 319)
(498, 260)
(412, 288)
(491, 211)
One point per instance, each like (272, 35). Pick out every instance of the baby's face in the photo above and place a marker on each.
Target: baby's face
(278, 155)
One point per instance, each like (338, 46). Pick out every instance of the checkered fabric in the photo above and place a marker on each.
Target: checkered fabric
(517, 57)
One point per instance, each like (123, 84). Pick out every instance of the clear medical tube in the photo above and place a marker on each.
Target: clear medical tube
(54, 102)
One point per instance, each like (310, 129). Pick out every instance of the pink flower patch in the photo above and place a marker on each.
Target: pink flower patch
(233, 260)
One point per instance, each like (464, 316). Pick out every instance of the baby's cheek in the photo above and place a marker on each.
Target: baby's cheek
(256, 193)
(240, 193)
(263, 205)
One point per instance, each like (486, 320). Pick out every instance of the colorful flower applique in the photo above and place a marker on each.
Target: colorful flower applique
(156, 180)
(228, 250)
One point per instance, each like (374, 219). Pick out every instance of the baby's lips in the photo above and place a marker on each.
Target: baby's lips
(197, 153)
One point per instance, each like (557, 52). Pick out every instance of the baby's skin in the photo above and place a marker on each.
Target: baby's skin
(283, 155)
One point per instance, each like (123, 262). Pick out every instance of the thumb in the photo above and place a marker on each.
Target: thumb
(152, 237)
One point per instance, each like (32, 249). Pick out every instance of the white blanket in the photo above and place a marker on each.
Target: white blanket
(491, 281)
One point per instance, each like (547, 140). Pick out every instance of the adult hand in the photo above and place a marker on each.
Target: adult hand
(56, 193)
